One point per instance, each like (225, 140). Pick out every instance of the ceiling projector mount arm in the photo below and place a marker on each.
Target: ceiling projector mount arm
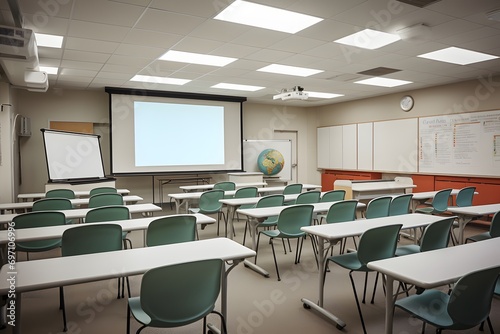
(295, 93)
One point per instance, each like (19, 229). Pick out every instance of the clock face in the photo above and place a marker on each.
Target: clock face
(406, 103)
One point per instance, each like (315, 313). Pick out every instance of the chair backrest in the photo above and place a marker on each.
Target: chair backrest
(400, 205)
(465, 196)
(378, 207)
(270, 201)
(225, 185)
(60, 193)
(91, 238)
(291, 189)
(246, 192)
(378, 243)
(105, 199)
(47, 204)
(309, 197)
(103, 190)
(209, 200)
(107, 213)
(171, 230)
(495, 225)
(440, 200)
(436, 235)
(194, 286)
(333, 196)
(39, 219)
(470, 299)
(291, 219)
(343, 211)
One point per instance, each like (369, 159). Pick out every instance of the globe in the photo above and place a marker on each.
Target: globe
(270, 161)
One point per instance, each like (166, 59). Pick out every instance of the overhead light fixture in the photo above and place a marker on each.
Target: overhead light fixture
(458, 56)
(289, 70)
(369, 39)
(159, 80)
(321, 95)
(383, 82)
(196, 58)
(49, 69)
(261, 16)
(247, 88)
(494, 15)
(50, 41)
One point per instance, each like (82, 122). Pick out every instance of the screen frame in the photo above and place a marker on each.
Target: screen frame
(175, 95)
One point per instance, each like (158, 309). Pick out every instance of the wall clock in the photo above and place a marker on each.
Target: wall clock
(406, 103)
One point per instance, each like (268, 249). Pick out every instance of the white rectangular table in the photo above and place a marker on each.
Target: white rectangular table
(62, 271)
(257, 215)
(25, 206)
(467, 213)
(203, 187)
(368, 189)
(329, 232)
(78, 193)
(145, 208)
(435, 268)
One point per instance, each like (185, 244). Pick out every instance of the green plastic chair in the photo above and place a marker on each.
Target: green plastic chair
(89, 239)
(105, 199)
(439, 203)
(246, 192)
(38, 219)
(378, 207)
(267, 202)
(226, 186)
(60, 193)
(292, 189)
(171, 230)
(493, 232)
(465, 196)
(400, 205)
(466, 307)
(339, 212)
(103, 190)
(111, 213)
(290, 221)
(435, 236)
(375, 244)
(309, 197)
(177, 295)
(52, 204)
(333, 196)
(209, 204)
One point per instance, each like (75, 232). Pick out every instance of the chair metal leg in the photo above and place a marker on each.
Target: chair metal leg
(61, 296)
(374, 288)
(257, 248)
(364, 290)
(275, 262)
(128, 318)
(357, 302)
(489, 324)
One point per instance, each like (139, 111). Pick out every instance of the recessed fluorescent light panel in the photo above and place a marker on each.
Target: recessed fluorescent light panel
(383, 82)
(266, 17)
(247, 88)
(50, 41)
(321, 95)
(196, 58)
(49, 69)
(457, 56)
(369, 39)
(289, 70)
(159, 80)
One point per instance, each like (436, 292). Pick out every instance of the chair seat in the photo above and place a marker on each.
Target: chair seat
(349, 261)
(419, 305)
(38, 245)
(137, 311)
(407, 250)
(427, 210)
(269, 222)
(480, 237)
(277, 233)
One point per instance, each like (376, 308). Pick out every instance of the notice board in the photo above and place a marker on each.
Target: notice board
(460, 144)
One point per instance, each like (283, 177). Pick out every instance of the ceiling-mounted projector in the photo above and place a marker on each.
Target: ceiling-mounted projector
(295, 93)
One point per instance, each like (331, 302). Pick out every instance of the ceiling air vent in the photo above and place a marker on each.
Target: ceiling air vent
(419, 3)
(379, 71)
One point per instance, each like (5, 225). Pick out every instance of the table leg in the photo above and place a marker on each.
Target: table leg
(230, 213)
(253, 232)
(462, 221)
(389, 305)
(319, 306)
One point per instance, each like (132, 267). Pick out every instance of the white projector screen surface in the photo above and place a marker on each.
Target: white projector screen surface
(72, 156)
(151, 134)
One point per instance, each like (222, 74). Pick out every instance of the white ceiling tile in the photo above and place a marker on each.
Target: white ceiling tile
(77, 73)
(168, 22)
(141, 51)
(86, 56)
(90, 45)
(82, 65)
(99, 31)
(106, 12)
(151, 38)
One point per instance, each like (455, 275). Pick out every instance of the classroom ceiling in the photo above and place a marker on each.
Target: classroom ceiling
(107, 42)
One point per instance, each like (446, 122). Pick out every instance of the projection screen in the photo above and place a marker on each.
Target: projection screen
(155, 132)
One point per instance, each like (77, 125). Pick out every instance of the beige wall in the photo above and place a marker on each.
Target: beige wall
(8, 140)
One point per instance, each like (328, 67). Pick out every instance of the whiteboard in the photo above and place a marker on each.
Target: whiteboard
(252, 149)
(395, 145)
(464, 144)
(349, 147)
